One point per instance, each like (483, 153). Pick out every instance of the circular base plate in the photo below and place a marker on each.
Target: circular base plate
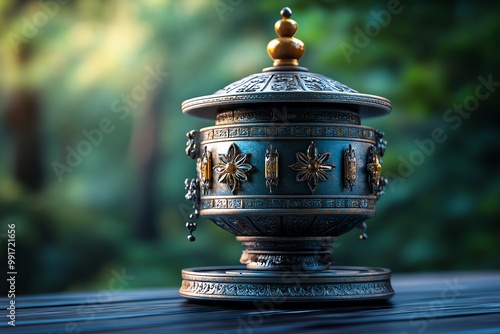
(236, 283)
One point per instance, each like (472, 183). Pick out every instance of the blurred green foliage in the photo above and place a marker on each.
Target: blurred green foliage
(72, 233)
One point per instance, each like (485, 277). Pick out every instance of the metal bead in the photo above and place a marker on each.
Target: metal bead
(191, 238)
(286, 12)
(363, 227)
(191, 226)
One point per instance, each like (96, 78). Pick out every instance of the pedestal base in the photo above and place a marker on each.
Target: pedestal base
(236, 283)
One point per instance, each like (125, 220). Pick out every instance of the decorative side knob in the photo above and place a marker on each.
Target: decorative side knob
(286, 50)
(192, 144)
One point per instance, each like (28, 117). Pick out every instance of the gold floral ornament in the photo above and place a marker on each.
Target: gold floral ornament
(312, 167)
(232, 168)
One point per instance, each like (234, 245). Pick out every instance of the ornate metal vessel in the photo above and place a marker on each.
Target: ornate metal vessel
(287, 168)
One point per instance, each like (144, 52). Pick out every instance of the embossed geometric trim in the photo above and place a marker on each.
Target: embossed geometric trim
(289, 113)
(249, 202)
(318, 131)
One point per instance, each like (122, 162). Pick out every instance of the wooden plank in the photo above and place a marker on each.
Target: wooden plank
(430, 303)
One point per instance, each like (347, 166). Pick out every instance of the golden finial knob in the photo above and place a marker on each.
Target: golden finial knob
(286, 50)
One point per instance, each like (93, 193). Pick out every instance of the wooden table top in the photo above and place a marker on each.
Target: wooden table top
(424, 303)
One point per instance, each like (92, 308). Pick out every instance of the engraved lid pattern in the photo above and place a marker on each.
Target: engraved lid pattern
(285, 81)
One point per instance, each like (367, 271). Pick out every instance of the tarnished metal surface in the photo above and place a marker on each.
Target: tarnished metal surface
(287, 168)
(240, 284)
(207, 106)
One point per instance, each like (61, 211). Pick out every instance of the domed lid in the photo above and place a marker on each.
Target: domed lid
(286, 82)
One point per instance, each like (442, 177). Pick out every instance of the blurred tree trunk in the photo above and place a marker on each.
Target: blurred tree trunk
(23, 122)
(146, 152)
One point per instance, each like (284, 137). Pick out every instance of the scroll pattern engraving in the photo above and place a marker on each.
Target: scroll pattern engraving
(280, 82)
(289, 114)
(284, 290)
